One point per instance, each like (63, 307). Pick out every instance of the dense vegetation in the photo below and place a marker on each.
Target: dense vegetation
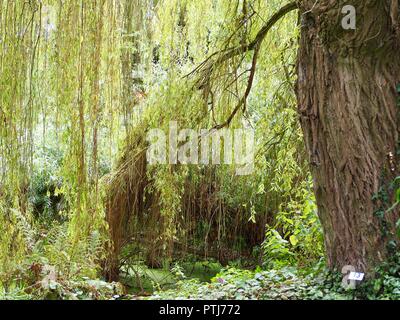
(83, 215)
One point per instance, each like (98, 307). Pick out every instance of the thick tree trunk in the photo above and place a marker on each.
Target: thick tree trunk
(348, 108)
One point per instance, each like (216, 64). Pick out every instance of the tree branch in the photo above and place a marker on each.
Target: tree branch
(209, 65)
(229, 53)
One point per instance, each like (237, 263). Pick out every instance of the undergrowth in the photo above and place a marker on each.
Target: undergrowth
(288, 283)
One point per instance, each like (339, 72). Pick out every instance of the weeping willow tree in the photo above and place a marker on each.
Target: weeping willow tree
(351, 143)
(19, 58)
(90, 79)
(59, 88)
(172, 210)
(93, 78)
(346, 91)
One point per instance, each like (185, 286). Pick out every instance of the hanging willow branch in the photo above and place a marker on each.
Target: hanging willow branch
(206, 68)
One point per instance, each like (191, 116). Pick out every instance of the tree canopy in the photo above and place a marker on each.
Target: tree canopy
(86, 86)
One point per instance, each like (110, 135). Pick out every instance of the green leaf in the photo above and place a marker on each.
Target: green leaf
(293, 240)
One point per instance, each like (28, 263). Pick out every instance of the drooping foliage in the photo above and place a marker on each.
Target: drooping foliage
(81, 85)
(59, 85)
(176, 209)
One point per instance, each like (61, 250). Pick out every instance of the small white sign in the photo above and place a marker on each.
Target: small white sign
(356, 276)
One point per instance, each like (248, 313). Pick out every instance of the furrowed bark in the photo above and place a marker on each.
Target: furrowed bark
(347, 104)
